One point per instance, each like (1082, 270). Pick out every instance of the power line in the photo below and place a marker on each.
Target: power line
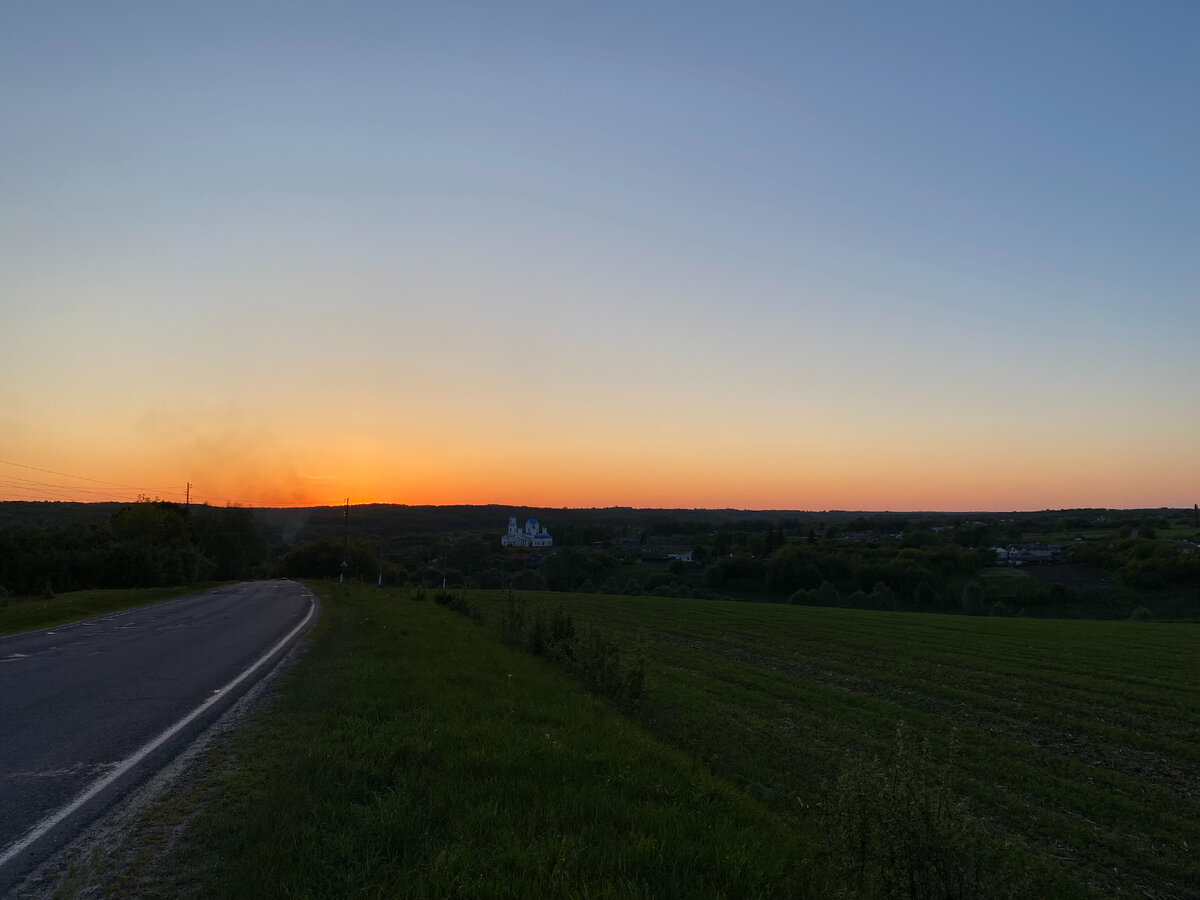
(38, 491)
(201, 493)
(63, 487)
(131, 487)
(57, 491)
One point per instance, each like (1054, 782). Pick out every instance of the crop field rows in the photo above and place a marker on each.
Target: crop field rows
(1072, 745)
(768, 751)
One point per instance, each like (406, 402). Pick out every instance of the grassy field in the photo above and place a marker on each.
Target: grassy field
(31, 613)
(775, 751)
(1069, 747)
(414, 754)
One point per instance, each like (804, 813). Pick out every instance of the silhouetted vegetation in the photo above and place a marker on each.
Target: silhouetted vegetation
(1105, 562)
(145, 544)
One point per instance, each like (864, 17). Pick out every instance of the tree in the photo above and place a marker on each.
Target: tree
(827, 594)
(232, 539)
(882, 596)
(972, 600)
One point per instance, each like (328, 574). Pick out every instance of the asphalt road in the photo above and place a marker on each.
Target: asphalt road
(80, 703)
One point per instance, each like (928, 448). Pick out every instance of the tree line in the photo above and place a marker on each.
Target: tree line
(143, 544)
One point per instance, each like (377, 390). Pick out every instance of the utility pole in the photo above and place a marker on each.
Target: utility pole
(345, 542)
(187, 498)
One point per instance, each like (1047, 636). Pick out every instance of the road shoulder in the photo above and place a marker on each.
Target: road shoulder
(118, 855)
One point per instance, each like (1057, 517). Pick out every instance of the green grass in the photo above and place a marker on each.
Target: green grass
(776, 751)
(32, 613)
(414, 754)
(1069, 746)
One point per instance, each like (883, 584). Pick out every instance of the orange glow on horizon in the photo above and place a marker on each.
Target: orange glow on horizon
(263, 462)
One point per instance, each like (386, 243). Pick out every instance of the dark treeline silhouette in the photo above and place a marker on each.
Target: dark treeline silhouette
(1105, 559)
(144, 544)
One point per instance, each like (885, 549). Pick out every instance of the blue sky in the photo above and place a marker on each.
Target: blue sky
(960, 234)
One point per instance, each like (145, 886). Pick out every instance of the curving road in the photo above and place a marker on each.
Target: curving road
(92, 708)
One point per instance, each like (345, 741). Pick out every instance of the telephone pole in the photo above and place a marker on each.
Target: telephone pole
(345, 542)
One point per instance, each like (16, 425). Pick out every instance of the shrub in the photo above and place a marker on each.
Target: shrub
(894, 830)
(657, 580)
(972, 599)
(458, 603)
(827, 594)
(562, 628)
(998, 609)
(1141, 614)
(883, 596)
(598, 664)
(539, 635)
(512, 619)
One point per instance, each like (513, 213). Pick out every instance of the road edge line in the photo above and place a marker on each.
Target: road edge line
(49, 822)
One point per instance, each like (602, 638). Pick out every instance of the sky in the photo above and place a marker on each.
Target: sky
(843, 255)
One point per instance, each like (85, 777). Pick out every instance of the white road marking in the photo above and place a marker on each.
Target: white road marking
(137, 756)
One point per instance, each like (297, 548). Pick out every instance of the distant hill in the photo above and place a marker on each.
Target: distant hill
(287, 525)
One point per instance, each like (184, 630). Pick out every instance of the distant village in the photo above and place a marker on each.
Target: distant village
(532, 535)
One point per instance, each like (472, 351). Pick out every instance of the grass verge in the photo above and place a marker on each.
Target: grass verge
(767, 751)
(412, 753)
(32, 613)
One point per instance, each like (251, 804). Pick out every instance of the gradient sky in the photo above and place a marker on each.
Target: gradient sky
(797, 255)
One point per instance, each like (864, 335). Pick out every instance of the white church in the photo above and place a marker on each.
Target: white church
(532, 535)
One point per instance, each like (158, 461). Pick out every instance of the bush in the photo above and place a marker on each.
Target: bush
(1141, 614)
(895, 832)
(827, 594)
(972, 599)
(598, 664)
(512, 619)
(539, 635)
(998, 609)
(882, 596)
(562, 628)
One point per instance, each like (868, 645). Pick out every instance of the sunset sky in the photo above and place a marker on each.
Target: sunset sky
(832, 255)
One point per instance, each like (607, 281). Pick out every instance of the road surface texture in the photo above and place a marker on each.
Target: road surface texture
(90, 709)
